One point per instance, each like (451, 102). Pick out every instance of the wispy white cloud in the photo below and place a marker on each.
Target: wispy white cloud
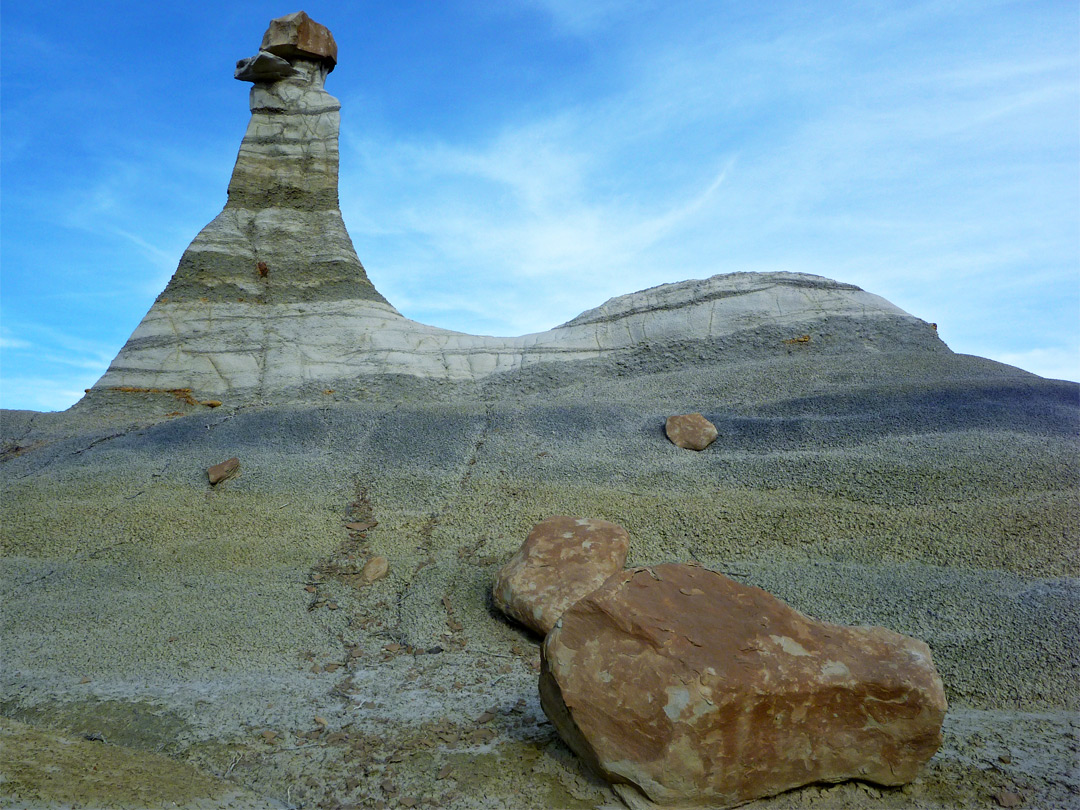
(165, 258)
(881, 178)
(522, 218)
(46, 369)
(1056, 363)
(579, 17)
(14, 343)
(45, 393)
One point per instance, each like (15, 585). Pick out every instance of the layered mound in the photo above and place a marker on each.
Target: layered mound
(243, 349)
(270, 298)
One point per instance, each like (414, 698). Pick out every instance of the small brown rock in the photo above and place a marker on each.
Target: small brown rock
(361, 527)
(563, 559)
(691, 431)
(222, 471)
(1006, 798)
(375, 569)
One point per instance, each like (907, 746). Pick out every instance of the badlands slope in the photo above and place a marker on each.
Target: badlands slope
(863, 476)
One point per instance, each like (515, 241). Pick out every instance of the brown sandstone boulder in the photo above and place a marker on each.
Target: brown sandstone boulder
(561, 560)
(691, 431)
(297, 35)
(695, 688)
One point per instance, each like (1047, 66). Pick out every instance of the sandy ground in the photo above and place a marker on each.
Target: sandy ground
(214, 646)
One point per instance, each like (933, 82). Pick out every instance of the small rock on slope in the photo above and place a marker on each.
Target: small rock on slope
(226, 469)
(691, 431)
(375, 569)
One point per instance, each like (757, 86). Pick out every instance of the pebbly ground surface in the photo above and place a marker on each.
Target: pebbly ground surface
(167, 643)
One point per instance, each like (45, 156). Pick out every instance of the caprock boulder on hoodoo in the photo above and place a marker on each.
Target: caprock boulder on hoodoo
(270, 299)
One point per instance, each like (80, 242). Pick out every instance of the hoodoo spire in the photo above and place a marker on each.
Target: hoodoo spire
(281, 236)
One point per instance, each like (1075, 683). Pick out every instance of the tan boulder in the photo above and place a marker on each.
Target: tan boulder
(297, 35)
(375, 569)
(695, 688)
(561, 560)
(226, 469)
(691, 431)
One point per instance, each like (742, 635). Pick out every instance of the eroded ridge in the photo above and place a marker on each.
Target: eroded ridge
(270, 297)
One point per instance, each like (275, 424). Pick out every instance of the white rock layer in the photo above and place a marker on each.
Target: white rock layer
(217, 348)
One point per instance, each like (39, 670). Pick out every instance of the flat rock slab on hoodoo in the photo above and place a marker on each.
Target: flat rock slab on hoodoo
(563, 559)
(695, 688)
(690, 431)
(263, 67)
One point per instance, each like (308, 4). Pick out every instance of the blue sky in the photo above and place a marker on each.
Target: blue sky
(507, 165)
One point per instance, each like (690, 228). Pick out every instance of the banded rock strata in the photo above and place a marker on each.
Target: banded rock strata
(271, 295)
